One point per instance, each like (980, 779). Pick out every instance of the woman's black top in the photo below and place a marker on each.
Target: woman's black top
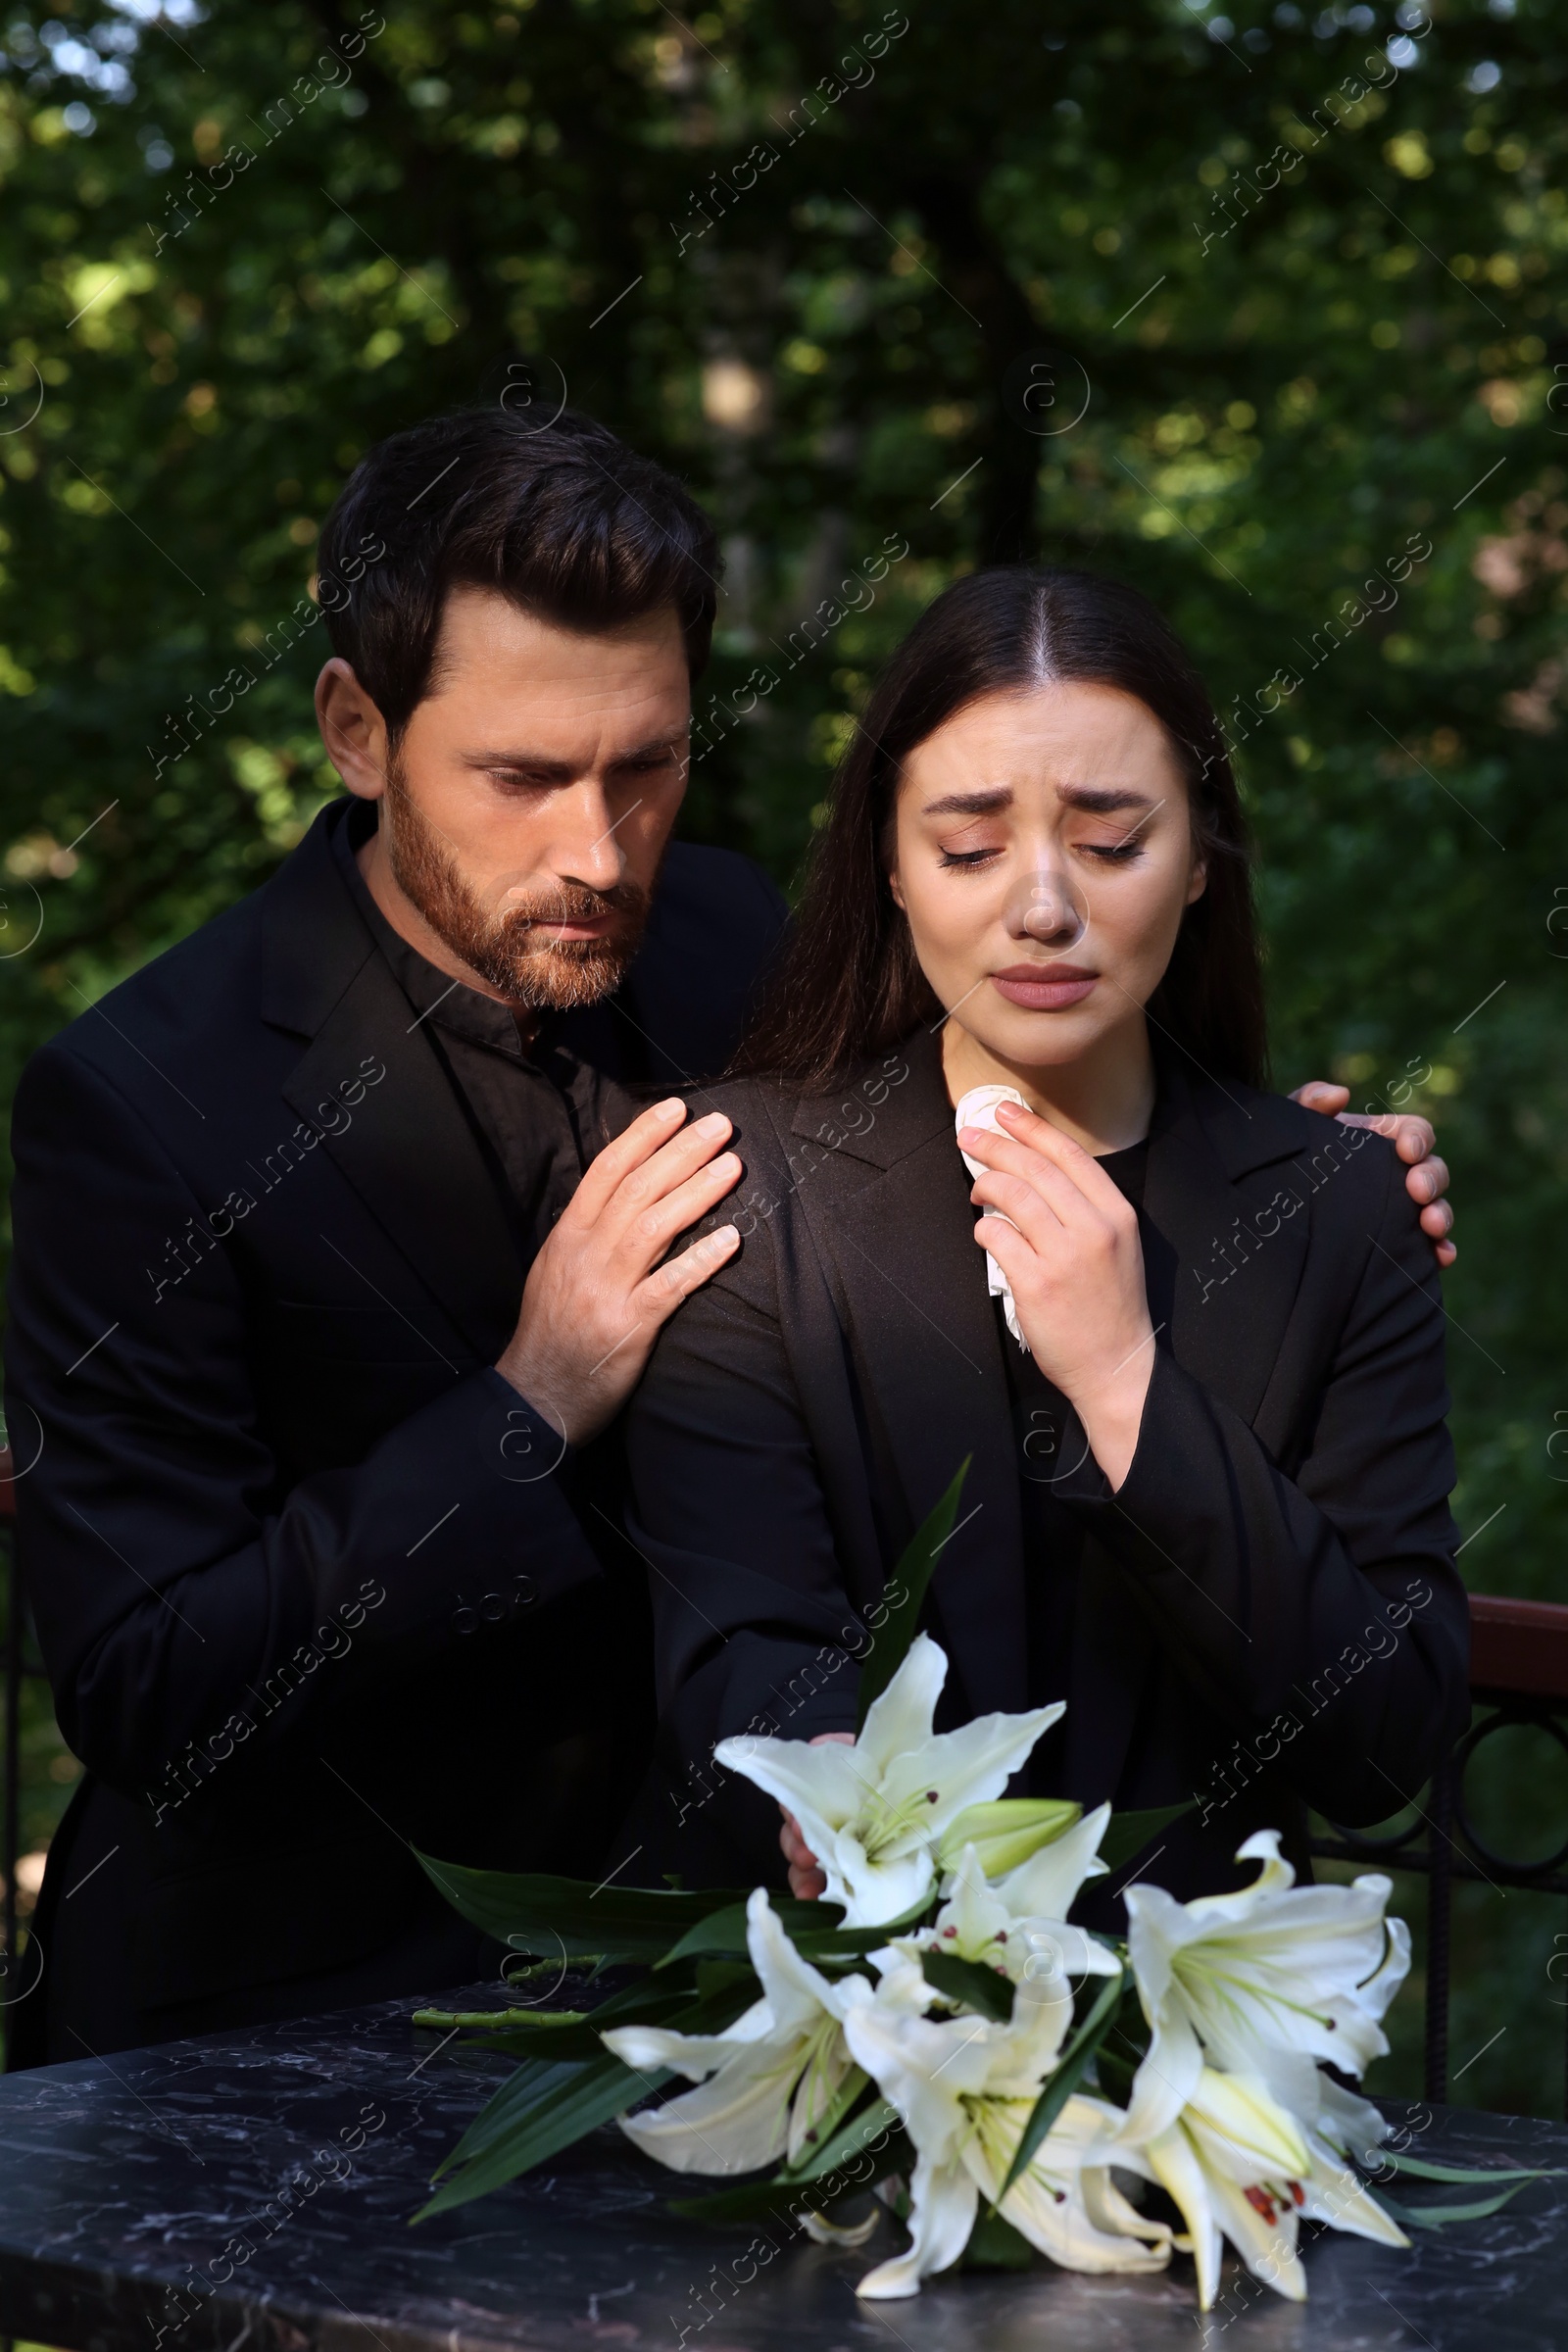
(1264, 1616)
(1052, 1535)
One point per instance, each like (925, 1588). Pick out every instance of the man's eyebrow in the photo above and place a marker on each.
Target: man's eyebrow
(537, 763)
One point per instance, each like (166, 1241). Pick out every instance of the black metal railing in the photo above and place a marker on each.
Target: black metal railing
(21, 1663)
(1518, 1678)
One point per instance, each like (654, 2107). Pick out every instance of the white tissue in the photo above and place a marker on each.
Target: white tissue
(978, 1109)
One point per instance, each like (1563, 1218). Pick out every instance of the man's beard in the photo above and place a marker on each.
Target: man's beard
(511, 951)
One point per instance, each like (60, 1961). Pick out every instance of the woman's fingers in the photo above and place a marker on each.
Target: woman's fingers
(1047, 1142)
(1012, 1249)
(1067, 1177)
(1021, 1178)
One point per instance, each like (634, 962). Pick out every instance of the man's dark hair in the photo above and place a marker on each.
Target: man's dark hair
(562, 519)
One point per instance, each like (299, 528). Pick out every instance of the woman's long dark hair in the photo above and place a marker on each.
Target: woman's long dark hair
(848, 985)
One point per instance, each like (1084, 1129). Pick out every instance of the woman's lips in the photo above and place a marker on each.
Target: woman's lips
(1044, 987)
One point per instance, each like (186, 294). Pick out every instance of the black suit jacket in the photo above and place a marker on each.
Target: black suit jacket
(1267, 1611)
(307, 1578)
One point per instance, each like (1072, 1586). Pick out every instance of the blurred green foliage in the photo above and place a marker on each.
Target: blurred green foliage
(1241, 310)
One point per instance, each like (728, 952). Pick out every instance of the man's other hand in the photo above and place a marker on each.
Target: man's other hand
(601, 1289)
(1412, 1138)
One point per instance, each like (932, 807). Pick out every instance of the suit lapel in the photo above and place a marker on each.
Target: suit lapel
(911, 1287)
(1227, 1260)
(1223, 1267)
(405, 1144)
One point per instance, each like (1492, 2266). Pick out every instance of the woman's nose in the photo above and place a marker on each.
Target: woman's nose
(1047, 909)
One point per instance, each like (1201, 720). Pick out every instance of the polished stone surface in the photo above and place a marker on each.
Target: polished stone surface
(140, 2208)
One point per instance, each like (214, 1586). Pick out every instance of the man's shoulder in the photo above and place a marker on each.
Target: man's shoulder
(187, 991)
(195, 1002)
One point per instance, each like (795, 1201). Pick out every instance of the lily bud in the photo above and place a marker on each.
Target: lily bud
(1007, 1831)
(1238, 2111)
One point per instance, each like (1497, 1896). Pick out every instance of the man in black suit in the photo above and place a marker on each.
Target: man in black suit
(339, 1242)
(315, 1316)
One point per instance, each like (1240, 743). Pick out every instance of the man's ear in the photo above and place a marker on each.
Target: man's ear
(351, 729)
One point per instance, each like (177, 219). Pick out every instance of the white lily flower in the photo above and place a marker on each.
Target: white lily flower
(965, 2087)
(1265, 1982)
(873, 1813)
(1017, 1924)
(766, 2084)
(1236, 2163)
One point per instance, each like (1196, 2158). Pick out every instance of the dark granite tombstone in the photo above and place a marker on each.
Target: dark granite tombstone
(255, 2190)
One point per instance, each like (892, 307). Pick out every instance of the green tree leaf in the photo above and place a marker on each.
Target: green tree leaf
(904, 1599)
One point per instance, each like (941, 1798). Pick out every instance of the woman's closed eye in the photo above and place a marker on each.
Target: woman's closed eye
(1105, 852)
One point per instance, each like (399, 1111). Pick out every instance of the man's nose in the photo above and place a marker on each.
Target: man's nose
(588, 848)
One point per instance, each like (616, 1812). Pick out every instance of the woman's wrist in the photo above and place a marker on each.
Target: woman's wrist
(1112, 1411)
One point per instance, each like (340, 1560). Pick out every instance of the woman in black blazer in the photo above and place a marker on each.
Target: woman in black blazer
(1191, 1348)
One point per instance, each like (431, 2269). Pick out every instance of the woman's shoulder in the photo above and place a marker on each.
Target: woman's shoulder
(759, 1109)
(1346, 1175)
(780, 1113)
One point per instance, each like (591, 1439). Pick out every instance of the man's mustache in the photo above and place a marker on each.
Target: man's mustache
(574, 903)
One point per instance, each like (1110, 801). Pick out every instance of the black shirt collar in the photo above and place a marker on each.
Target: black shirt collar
(448, 1003)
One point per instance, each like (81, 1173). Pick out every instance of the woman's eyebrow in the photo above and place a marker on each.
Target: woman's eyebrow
(971, 803)
(1103, 799)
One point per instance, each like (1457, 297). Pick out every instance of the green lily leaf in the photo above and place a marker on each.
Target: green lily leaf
(1438, 2217)
(530, 2033)
(539, 2112)
(1127, 1833)
(996, 2245)
(723, 1931)
(890, 1641)
(1421, 2168)
(548, 2104)
(1067, 2079)
(543, 1914)
(979, 1987)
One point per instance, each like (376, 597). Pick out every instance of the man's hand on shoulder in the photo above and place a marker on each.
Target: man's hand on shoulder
(1427, 1179)
(602, 1287)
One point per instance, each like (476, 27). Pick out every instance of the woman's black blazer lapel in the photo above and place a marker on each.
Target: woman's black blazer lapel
(910, 1286)
(1227, 1231)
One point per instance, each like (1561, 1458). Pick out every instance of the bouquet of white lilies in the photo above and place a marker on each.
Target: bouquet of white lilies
(935, 2040)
